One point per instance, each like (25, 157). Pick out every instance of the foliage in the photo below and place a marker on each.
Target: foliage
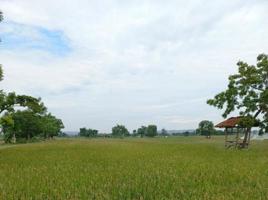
(142, 131)
(119, 131)
(247, 92)
(7, 127)
(50, 126)
(151, 131)
(27, 124)
(88, 132)
(164, 132)
(206, 128)
(170, 168)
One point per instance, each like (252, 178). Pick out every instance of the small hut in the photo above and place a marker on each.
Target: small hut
(233, 129)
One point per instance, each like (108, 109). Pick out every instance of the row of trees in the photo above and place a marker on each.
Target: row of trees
(122, 131)
(149, 131)
(205, 128)
(84, 132)
(25, 117)
(27, 124)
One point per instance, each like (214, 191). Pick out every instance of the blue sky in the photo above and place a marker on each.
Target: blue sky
(96, 64)
(17, 36)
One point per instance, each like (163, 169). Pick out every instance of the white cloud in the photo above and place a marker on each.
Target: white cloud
(132, 62)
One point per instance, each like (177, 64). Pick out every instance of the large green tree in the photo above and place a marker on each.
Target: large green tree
(120, 131)
(31, 121)
(84, 132)
(151, 131)
(206, 128)
(50, 126)
(142, 131)
(247, 93)
(26, 124)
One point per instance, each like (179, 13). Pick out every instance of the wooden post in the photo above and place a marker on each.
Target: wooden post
(226, 135)
(237, 137)
(249, 135)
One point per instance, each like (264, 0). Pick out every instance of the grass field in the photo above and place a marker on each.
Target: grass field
(159, 168)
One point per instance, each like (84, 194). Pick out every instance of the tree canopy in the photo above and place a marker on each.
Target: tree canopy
(206, 128)
(84, 132)
(120, 131)
(151, 131)
(247, 93)
(23, 116)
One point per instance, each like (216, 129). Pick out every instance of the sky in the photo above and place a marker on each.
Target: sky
(99, 63)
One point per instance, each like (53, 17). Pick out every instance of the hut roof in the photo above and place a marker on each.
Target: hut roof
(229, 123)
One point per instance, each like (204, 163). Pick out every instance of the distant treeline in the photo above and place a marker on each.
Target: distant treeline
(205, 128)
(121, 131)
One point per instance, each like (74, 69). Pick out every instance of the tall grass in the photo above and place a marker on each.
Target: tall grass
(172, 168)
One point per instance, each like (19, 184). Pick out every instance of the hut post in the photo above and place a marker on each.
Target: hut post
(226, 135)
(237, 137)
(249, 135)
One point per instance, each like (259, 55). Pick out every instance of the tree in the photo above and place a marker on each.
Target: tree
(134, 133)
(29, 122)
(8, 102)
(164, 132)
(206, 128)
(151, 131)
(83, 132)
(119, 131)
(26, 124)
(7, 123)
(247, 92)
(142, 131)
(88, 132)
(51, 126)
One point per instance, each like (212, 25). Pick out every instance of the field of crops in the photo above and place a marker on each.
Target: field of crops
(157, 168)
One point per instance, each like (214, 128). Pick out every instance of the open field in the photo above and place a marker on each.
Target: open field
(158, 168)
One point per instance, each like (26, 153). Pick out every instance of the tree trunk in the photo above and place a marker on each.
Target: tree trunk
(248, 131)
(246, 138)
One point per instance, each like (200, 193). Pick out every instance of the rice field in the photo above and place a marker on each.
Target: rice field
(157, 168)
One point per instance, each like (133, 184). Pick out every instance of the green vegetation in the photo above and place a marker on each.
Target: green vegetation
(149, 131)
(88, 132)
(247, 93)
(206, 128)
(29, 122)
(119, 131)
(134, 168)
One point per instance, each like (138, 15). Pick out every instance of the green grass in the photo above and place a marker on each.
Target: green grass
(160, 168)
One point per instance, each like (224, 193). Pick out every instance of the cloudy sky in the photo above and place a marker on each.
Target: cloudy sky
(97, 63)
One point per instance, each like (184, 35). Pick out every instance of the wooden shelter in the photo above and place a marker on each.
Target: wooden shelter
(233, 129)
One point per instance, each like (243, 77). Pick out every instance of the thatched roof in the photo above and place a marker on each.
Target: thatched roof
(229, 123)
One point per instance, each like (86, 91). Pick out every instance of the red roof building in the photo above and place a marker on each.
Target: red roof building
(229, 123)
